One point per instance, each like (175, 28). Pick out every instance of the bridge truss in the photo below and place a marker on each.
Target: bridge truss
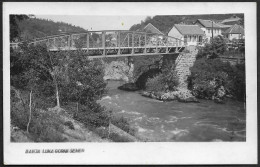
(113, 43)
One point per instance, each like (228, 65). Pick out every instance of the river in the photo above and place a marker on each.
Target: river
(175, 121)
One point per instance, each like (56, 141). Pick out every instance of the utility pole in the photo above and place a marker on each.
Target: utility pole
(212, 31)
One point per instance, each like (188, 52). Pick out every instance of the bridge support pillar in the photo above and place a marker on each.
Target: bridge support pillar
(130, 63)
(169, 59)
(182, 61)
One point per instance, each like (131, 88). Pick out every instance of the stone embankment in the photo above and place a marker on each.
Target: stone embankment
(183, 63)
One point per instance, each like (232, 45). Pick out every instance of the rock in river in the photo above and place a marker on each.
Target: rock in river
(129, 87)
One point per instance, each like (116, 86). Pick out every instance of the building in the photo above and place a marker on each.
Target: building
(149, 28)
(223, 27)
(190, 34)
(234, 32)
(232, 20)
(208, 26)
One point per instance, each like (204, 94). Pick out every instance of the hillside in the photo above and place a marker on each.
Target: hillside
(36, 28)
(165, 23)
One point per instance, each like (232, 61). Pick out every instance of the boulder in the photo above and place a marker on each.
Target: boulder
(117, 70)
(184, 95)
(129, 87)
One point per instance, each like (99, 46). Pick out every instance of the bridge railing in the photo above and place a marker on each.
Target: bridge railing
(120, 39)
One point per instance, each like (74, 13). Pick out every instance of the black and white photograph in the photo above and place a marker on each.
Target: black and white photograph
(154, 78)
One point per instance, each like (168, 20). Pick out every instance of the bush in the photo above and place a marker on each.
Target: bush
(207, 75)
(93, 118)
(44, 126)
(213, 49)
(47, 127)
(69, 124)
(123, 124)
(155, 83)
(170, 78)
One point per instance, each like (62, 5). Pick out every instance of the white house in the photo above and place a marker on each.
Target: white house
(208, 26)
(234, 32)
(150, 28)
(190, 34)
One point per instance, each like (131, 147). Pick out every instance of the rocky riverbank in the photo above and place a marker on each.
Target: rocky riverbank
(118, 70)
(182, 95)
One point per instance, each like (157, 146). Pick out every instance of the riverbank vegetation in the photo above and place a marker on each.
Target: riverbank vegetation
(47, 86)
(214, 79)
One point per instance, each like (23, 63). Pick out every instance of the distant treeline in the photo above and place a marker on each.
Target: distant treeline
(30, 28)
(165, 23)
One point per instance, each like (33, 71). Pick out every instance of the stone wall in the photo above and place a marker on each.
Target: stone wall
(183, 62)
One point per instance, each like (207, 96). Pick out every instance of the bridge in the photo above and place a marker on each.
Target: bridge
(111, 43)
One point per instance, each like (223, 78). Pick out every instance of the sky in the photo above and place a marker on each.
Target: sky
(96, 23)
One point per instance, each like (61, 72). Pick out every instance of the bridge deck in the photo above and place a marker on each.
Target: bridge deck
(112, 43)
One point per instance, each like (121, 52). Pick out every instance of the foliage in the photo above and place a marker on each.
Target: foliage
(45, 126)
(216, 47)
(37, 28)
(85, 80)
(69, 124)
(155, 83)
(207, 75)
(14, 26)
(169, 77)
(123, 124)
(39, 70)
(92, 117)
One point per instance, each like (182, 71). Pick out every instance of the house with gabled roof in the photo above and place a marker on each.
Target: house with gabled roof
(234, 32)
(150, 28)
(208, 26)
(190, 34)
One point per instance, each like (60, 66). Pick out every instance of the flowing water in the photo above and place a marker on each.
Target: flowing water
(174, 121)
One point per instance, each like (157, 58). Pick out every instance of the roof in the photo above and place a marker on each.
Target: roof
(151, 29)
(223, 25)
(208, 23)
(235, 29)
(231, 19)
(189, 29)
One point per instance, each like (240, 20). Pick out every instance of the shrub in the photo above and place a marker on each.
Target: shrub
(93, 118)
(47, 127)
(213, 49)
(207, 75)
(44, 126)
(155, 83)
(69, 124)
(123, 124)
(169, 77)
(86, 84)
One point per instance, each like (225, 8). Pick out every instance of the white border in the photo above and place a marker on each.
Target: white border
(139, 153)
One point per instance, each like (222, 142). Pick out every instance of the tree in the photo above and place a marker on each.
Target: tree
(40, 70)
(214, 49)
(86, 84)
(14, 27)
